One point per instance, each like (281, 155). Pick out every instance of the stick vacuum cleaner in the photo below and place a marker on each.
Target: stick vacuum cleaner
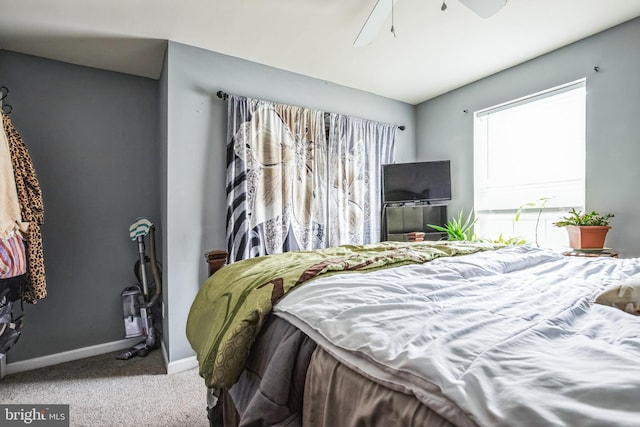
(140, 301)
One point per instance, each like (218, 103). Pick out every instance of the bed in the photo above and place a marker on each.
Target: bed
(421, 334)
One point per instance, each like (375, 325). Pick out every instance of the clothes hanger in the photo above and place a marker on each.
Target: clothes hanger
(6, 108)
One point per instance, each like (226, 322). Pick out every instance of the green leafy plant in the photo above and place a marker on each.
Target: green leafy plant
(584, 219)
(459, 229)
(540, 205)
(512, 241)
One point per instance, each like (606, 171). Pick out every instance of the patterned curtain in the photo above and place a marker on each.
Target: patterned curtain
(289, 186)
(357, 149)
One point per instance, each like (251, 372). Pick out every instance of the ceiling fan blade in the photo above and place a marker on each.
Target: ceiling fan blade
(484, 8)
(374, 22)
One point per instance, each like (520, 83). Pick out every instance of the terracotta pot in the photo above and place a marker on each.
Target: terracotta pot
(587, 237)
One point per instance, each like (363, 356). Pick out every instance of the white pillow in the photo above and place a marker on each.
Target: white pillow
(625, 295)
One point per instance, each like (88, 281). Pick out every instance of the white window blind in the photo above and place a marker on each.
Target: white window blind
(530, 152)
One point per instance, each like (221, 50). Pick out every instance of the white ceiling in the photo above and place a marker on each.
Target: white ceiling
(433, 52)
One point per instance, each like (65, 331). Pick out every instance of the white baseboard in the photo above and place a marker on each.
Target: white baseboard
(182, 365)
(68, 356)
(178, 365)
(94, 350)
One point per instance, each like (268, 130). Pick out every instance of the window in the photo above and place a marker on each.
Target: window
(529, 154)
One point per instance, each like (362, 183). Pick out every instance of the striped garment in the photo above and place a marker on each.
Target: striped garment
(13, 260)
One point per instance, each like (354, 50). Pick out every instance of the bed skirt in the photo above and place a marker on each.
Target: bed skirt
(290, 381)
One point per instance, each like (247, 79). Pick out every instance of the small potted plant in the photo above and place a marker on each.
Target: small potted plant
(457, 229)
(586, 230)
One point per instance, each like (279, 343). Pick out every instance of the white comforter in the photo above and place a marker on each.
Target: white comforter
(511, 336)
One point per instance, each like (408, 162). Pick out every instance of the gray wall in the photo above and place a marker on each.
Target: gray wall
(110, 147)
(195, 195)
(92, 135)
(613, 123)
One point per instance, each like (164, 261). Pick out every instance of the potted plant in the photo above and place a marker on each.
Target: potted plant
(586, 230)
(459, 229)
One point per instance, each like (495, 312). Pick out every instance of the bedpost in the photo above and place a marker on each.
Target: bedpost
(216, 259)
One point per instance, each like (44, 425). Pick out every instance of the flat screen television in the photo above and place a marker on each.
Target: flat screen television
(416, 182)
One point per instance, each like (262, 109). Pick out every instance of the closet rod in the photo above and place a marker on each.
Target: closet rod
(224, 96)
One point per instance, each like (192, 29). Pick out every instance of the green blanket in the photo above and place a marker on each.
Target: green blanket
(231, 306)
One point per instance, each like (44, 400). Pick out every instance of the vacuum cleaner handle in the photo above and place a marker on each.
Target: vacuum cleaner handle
(143, 271)
(154, 269)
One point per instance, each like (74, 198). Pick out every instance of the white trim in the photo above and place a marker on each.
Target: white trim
(68, 356)
(578, 84)
(182, 365)
(178, 365)
(94, 350)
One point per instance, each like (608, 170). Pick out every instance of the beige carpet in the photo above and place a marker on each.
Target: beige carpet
(105, 391)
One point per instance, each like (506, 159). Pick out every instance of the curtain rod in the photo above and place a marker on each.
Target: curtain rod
(224, 96)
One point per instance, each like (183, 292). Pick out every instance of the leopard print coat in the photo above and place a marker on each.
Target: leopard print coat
(32, 210)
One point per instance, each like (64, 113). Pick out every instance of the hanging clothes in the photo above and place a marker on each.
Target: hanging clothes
(13, 259)
(31, 209)
(12, 250)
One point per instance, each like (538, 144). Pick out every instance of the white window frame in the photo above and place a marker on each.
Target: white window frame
(536, 209)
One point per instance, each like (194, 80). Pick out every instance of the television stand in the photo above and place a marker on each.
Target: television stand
(400, 219)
